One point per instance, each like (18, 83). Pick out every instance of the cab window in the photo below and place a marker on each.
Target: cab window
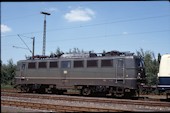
(139, 62)
(23, 66)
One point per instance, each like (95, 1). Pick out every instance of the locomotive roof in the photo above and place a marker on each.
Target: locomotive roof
(93, 58)
(74, 56)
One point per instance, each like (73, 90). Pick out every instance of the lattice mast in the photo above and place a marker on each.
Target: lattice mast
(44, 33)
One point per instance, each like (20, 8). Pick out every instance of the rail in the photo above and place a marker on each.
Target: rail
(90, 99)
(57, 108)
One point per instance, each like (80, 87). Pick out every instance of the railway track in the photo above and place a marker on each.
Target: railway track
(88, 99)
(75, 99)
(57, 108)
(10, 90)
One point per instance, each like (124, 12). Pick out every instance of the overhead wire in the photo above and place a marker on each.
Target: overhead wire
(81, 26)
(108, 35)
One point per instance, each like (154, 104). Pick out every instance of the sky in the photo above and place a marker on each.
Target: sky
(89, 26)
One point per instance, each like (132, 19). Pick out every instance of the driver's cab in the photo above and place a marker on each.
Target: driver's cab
(21, 70)
(140, 70)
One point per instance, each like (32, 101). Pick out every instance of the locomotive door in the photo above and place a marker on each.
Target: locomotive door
(23, 70)
(65, 69)
(120, 70)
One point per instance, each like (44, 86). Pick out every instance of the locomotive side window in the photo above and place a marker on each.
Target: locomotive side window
(53, 64)
(42, 64)
(78, 64)
(31, 65)
(92, 63)
(107, 63)
(65, 64)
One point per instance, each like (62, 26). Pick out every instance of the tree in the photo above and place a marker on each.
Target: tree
(58, 53)
(75, 50)
(151, 66)
(8, 72)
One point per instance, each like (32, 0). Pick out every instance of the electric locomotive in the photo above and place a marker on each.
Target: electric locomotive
(116, 73)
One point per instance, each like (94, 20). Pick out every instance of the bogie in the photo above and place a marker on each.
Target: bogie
(86, 91)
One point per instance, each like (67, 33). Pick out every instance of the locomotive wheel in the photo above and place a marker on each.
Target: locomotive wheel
(28, 90)
(25, 88)
(119, 95)
(86, 91)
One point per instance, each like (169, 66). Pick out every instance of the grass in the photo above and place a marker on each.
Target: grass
(6, 86)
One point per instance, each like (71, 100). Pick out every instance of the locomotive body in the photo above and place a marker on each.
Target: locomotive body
(118, 75)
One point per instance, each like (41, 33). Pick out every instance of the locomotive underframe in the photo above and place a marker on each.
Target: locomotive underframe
(115, 87)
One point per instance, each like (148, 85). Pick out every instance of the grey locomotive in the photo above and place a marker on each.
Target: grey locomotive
(116, 73)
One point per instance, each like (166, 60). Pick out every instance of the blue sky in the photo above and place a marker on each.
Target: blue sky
(98, 26)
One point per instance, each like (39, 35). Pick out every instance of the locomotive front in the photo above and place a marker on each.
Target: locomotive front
(141, 77)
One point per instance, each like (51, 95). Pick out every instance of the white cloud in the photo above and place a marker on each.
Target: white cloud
(79, 14)
(5, 28)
